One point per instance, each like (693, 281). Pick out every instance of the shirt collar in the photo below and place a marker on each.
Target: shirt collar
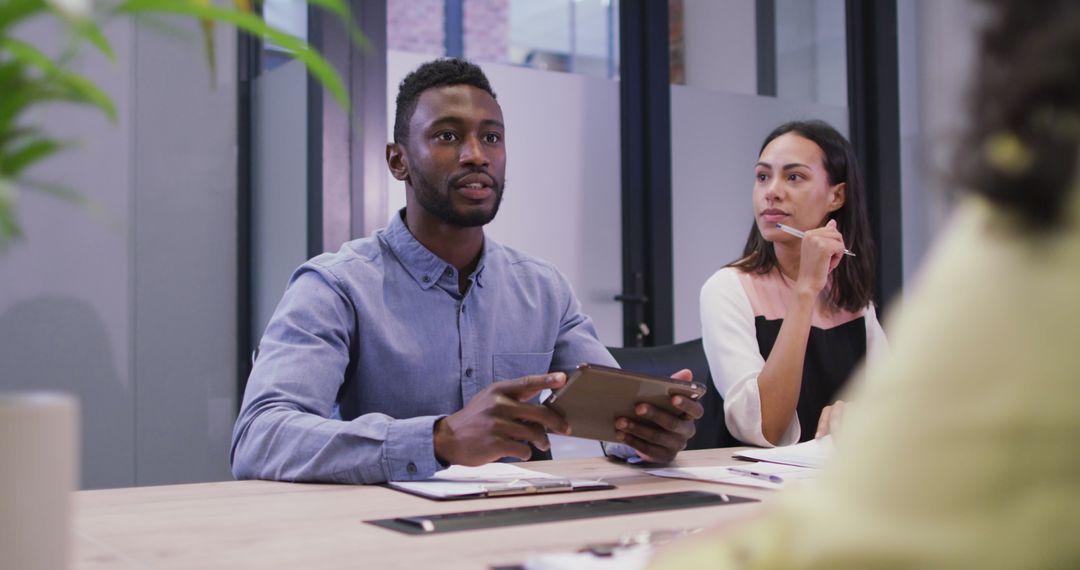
(424, 267)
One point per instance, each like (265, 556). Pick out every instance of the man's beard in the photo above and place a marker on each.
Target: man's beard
(440, 205)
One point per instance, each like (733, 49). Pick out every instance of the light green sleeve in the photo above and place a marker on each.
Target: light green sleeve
(963, 449)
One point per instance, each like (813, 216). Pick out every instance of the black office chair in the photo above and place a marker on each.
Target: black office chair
(664, 360)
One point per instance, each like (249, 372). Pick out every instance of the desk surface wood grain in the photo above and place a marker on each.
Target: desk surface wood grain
(268, 525)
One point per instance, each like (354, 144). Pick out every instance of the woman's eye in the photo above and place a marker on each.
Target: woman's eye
(793, 177)
(761, 177)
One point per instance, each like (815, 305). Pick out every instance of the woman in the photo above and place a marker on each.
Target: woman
(963, 450)
(784, 326)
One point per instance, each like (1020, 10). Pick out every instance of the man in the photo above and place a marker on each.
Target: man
(426, 345)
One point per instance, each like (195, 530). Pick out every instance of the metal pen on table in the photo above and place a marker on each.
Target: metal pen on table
(800, 235)
(756, 474)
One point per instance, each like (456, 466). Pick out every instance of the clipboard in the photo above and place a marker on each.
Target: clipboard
(493, 480)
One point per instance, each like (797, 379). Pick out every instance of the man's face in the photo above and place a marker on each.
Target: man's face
(456, 156)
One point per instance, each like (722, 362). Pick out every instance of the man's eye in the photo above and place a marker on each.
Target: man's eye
(446, 136)
(493, 138)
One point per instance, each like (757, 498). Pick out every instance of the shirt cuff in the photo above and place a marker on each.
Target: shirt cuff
(621, 451)
(409, 449)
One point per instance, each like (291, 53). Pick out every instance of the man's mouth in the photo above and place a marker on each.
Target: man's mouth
(475, 186)
(475, 191)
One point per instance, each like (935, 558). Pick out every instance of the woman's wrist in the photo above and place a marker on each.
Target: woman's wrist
(806, 294)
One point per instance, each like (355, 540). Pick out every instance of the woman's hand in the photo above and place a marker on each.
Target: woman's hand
(830, 419)
(822, 249)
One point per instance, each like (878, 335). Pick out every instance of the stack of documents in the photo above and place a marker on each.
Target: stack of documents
(776, 468)
(493, 480)
(813, 453)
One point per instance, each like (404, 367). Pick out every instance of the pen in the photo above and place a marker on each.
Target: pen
(756, 474)
(799, 234)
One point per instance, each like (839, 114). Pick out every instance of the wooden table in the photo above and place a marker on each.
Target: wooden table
(267, 525)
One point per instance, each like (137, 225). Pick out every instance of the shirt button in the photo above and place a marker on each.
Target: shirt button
(449, 272)
(425, 279)
(468, 372)
(411, 467)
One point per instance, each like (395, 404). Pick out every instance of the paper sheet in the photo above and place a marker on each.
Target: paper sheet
(630, 558)
(813, 453)
(790, 474)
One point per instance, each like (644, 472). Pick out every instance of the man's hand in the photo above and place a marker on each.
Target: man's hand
(498, 422)
(830, 419)
(658, 435)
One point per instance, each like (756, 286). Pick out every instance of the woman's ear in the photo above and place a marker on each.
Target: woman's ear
(397, 160)
(837, 196)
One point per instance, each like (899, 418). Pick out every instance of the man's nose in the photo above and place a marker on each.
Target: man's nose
(472, 152)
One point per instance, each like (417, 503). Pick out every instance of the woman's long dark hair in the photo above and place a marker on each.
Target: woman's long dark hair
(852, 280)
(1021, 148)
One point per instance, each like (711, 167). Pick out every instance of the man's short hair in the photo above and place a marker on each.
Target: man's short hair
(438, 73)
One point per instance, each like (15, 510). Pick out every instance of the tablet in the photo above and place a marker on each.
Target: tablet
(595, 395)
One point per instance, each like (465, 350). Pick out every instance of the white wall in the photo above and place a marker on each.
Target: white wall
(562, 200)
(135, 313)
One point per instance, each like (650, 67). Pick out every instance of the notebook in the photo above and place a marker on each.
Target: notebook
(493, 480)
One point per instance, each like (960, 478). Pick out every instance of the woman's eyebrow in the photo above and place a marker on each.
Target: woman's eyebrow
(795, 165)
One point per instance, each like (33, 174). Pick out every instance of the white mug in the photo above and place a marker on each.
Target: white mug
(39, 458)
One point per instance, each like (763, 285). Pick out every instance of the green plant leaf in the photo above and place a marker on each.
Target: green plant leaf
(319, 68)
(19, 159)
(9, 228)
(13, 135)
(15, 10)
(89, 31)
(82, 89)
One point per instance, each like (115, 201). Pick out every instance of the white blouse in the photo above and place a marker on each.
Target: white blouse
(730, 302)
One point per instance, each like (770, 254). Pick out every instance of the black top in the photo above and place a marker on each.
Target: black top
(831, 357)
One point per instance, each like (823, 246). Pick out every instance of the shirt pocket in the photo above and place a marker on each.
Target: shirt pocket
(510, 365)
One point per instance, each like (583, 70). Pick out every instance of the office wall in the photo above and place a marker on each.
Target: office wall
(562, 200)
(134, 311)
(65, 289)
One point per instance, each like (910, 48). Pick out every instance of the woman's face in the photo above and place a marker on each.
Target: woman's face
(791, 187)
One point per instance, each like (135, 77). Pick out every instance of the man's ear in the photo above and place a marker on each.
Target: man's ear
(837, 196)
(397, 160)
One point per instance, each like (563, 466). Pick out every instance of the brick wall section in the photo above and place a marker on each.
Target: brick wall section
(416, 26)
(487, 30)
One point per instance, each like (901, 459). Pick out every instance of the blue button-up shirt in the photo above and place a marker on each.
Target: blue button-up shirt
(371, 345)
